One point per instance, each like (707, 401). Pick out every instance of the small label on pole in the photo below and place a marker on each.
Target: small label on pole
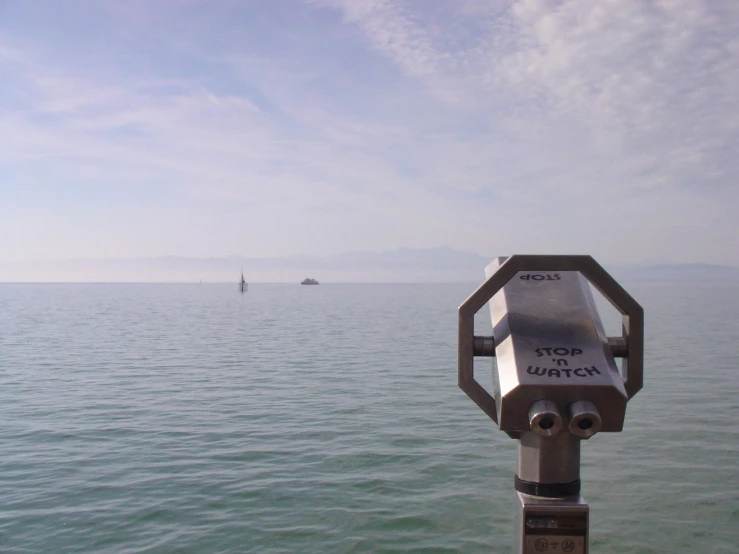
(561, 544)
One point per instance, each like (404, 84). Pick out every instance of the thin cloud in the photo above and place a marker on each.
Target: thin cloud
(401, 122)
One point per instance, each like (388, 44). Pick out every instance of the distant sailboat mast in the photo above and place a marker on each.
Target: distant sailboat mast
(243, 286)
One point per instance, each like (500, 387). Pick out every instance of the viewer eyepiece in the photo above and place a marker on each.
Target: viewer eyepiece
(585, 419)
(545, 419)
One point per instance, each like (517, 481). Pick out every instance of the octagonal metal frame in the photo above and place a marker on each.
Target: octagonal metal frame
(632, 318)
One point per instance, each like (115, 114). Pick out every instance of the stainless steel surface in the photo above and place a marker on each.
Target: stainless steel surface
(544, 418)
(619, 347)
(548, 459)
(550, 526)
(484, 347)
(538, 267)
(550, 345)
(585, 419)
(465, 357)
(555, 381)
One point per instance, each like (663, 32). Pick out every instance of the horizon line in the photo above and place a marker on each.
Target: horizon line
(630, 279)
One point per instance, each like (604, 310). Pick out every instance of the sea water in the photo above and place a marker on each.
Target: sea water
(192, 418)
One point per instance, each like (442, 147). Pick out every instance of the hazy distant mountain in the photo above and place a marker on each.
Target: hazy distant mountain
(442, 258)
(678, 273)
(403, 265)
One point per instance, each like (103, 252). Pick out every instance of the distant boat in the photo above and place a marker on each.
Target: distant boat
(243, 285)
(308, 281)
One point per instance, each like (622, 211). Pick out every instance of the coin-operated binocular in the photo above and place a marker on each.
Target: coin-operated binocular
(556, 383)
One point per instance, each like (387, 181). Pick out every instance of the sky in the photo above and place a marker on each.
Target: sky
(222, 127)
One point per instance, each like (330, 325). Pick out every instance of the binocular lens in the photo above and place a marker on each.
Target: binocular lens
(544, 418)
(585, 419)
(546, 421)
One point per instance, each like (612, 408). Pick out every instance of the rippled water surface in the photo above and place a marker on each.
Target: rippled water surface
(189, 418)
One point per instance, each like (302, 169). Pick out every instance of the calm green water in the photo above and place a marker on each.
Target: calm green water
(189, 418)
